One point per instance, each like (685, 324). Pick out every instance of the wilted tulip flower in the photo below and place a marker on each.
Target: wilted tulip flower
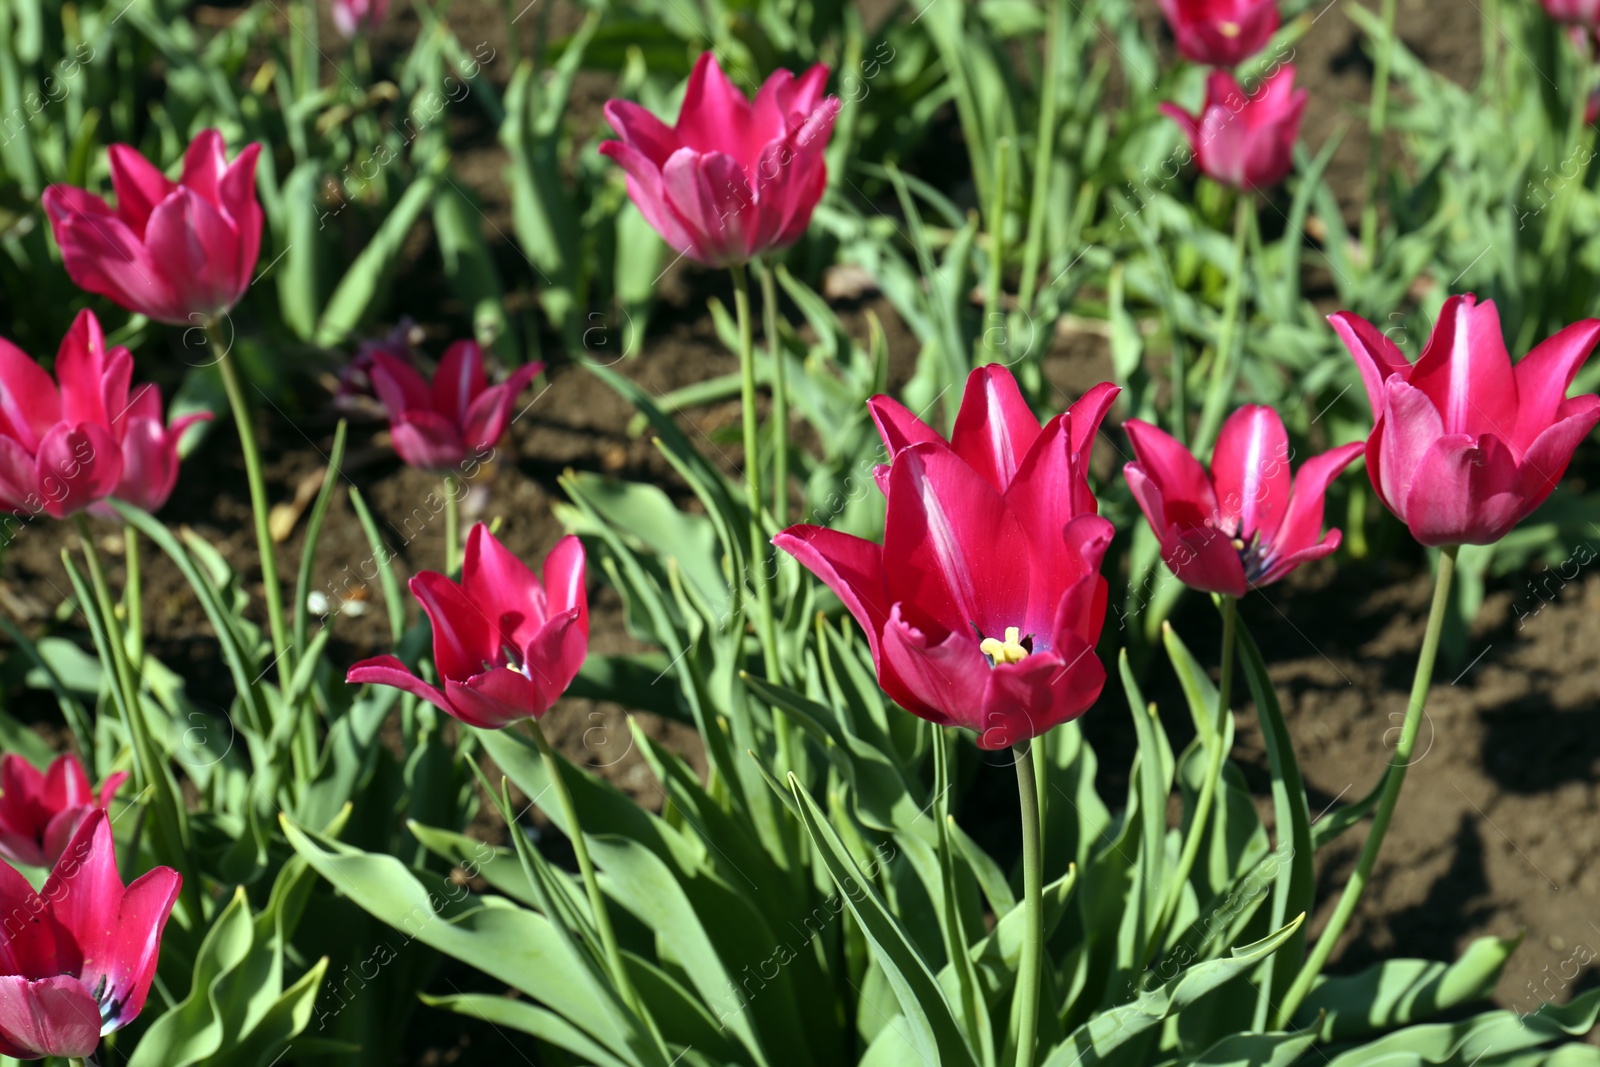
(1242, 524)
(505, 645)
(732, 180)
(352, 17)
(983, 604)
(438, 427)
(1221, 33)
(1244, 140)
(1464, 445)
(78, 957)
(178, 252)
(41, 810)
(64, 450)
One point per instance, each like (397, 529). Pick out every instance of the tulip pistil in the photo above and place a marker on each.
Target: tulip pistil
(1256, 556)
(1014, 649)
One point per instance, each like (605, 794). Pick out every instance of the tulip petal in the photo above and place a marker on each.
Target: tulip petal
(1466, 371)
(240, 205)
(1042, 500)
(195, 248)
(495, 699)
(18, 479)
(464, 640)
(398, 385)
(132, 946)
(1377, 357)
(1250, 472)
(29, 402)
(645, 190)
(1204, 558)
(428, 441)
(1409, 428)
(1547, 457)
(502, 587)
(952, 548)
(897, 426)
(851, 566)
(1302, 520)
(551, 658)
(935, 674)
(487, 417)
(81, 368)
(65, 783)
(204, 163)
(1186, 491)
(1543, 377)
(563, 579)
(52, 1016)
(77, 465)
(711, 196)
(1026, 699)
(1189, 124)
(1464, 492)
(1284, 564)
(647, 135)
(459, 380)
(139, 185)
(34, 942)
(994, 426)
(716, 116)
(388, 670)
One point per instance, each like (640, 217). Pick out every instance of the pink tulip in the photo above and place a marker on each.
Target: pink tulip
(1465, 445)
(1241, 525)
(732, 180)
(505, 646)
(1246, 141)
(78, 957)
(1221, 33)
(438, 427)
(984, 602)
(354, 17)
(1578, 12)
(40, 811)
(179, 253)
(65, 450)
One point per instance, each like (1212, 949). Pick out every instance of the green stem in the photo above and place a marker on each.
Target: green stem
(1044, 157)
(997, 246)
(1033, 908)
(1208, 788)
(258, 503)
(452, 525)
(591, 882)
(752, 471)
(1224, 368)
(133, 597)
(1393, 781)
(972, 1006)
(1555, 229)
(1377, 124)
(780, 398)
(148, 773)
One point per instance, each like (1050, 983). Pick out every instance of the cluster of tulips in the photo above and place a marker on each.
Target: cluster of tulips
(983, 603)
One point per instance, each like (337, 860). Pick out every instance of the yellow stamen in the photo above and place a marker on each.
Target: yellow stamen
(1008, 651)
(1228, 29)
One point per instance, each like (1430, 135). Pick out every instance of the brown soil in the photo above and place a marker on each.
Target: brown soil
(1497, 830)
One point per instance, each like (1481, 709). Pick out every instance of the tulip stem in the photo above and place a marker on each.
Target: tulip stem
(1044, 158)
(780, 398)
(1392, 782)
(452, 525)
(258, 502)
(1377, 124)
(591, 882)
(1032, 904)
(1224, 368)
(1208, 788)
(752, 467)
(132, 597)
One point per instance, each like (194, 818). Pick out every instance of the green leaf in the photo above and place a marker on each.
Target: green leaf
(1256, 1050)
(934, 1033)
(361, 282)
(1471, 1040)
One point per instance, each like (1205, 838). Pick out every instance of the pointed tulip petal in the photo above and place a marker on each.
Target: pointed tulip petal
(1250, 472)
(47, 1017)
(938, 676)
(1464, 493)
(1466, 371)
(1544, 376)
(994, 426)
(851, 566)
(1376, 356)
(1302, 521)
(388, 670)
(1185, 489)
(495, 699)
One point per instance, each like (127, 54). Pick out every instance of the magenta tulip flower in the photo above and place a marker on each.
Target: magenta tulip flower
(460, 415)
(178, 252)
(355, 17)
(64, 450)
(1578, 12)
(1221, 33)
(505, 645)
(983, 604)
(1464, 445)
(1242, 524)
(41, 810)
(732, 180)
(78, 957)
(1246, 141)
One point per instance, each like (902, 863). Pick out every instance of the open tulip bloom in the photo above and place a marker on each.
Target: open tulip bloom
(77, 958)
(439, 426)
(505, 645)
(41, 810)
(1243, 523)
(1241, 139)
(64, 450)
(984, 602)
(180, 252)
(1221, 33)
(732, 180)
(1464, 445)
